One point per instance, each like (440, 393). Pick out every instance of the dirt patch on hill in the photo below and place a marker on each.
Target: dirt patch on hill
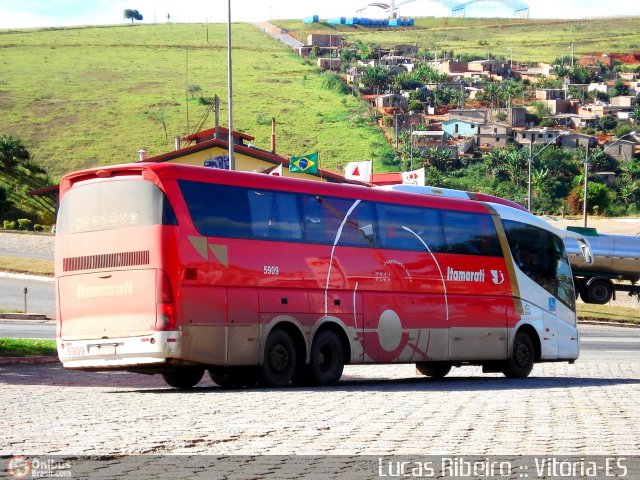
(631, 58)
(612, 226)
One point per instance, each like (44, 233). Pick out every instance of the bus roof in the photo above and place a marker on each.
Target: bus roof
(451, 193)
(160, 172)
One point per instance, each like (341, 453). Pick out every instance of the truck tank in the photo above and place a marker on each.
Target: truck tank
(615, 257)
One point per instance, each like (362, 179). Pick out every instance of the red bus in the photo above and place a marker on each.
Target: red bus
(175, 270)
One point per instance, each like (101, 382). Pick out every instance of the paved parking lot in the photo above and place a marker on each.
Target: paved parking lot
(589, 408)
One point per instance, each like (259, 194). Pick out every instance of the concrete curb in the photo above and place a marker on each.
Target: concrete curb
(23, 276)
(608, 324)
(24, 316)
(28, 360)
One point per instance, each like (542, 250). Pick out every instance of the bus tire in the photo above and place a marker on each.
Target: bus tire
(183, 378)
(598, 292)
(233, 377)
(434, 369)
(523, 356)
(326, 362)
(279, 361)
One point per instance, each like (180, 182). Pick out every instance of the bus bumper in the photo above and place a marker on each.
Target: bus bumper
(116, 353)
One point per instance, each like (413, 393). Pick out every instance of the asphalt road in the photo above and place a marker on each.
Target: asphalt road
(40, 295)
(604, 343)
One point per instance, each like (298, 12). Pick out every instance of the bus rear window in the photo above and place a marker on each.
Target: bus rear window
(113, 204)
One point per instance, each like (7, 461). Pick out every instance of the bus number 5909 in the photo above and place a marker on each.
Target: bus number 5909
(271, 270)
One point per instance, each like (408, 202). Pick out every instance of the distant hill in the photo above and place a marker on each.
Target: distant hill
(80, 97)
(530, 40)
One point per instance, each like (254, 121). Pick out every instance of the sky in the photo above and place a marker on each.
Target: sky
(49, 13)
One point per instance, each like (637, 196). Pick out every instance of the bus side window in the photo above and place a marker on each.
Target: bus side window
(401, 228)
(217, 210)
(274, 215)
(323, 216)
(360, 229)
(470, 234)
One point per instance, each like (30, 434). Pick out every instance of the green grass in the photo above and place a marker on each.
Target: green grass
(21, 347)
(531, 40)
(608, 313)
(88, 96)
(31, 266)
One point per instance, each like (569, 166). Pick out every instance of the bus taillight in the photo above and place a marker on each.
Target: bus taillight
(165, 308)
(165, 316)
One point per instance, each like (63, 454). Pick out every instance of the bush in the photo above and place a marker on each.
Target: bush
(24, 223)
(9, 225)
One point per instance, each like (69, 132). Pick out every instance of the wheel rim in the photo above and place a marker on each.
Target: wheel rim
(326, 358)
(600, 293)
(278, 358)
(522, 354)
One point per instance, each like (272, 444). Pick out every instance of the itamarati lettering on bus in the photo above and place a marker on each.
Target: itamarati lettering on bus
(465, 275)
(119, 290)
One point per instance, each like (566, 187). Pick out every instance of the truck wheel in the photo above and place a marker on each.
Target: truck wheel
(599, 292)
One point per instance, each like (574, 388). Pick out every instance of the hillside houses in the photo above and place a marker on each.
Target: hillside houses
(480, 104)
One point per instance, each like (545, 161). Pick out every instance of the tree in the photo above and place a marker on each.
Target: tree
(194, 89)
(131, 14)
(375, 78)
(491, 94)
(636, 114)
(12, 152)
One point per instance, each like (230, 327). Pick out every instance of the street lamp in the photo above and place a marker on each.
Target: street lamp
(531, 156)
(586, 174)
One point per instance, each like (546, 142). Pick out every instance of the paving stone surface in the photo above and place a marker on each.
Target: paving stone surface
(589, 408)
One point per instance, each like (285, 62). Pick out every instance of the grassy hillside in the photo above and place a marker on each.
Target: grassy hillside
(531, 40)
(80, 97)
(89, 96)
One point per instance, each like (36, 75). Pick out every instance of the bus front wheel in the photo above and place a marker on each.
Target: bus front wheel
(523, 356)
(279, 362)
(233, 377)
(434, 369)
(186, 377)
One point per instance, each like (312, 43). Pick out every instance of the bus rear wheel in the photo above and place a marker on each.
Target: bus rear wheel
(233, 377)
(279, 361)
(327, 359)
(434, 369)
(523, 356)
(183, 378)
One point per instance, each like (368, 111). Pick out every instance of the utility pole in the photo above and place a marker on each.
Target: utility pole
(232, 162)
(586, 185)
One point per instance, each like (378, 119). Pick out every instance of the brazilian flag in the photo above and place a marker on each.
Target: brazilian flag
(304, 164)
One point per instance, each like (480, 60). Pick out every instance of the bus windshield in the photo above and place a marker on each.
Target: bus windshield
(121, 203)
